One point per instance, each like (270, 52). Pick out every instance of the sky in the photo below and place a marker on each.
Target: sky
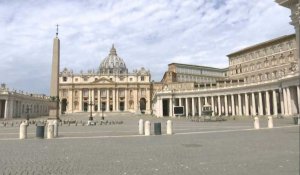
(149, 34)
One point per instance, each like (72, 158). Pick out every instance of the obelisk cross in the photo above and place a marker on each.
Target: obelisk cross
(57, 30)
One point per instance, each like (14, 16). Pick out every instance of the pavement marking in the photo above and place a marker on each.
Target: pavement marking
(223, 131)
(185, 133)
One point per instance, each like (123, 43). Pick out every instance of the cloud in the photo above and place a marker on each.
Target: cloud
(149, 34)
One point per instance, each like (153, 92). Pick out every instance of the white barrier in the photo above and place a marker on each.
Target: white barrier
(169, 127)
(256, 123)
(147, 128)
(270, 122)
(55, 123)
(23, 130)
(141, 126)
(50, 131)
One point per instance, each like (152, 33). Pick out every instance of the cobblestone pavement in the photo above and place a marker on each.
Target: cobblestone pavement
(228, 147)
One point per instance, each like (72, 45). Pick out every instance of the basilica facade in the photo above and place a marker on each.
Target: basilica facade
(111, 88)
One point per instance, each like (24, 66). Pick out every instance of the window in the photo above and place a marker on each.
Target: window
(65, 79)
(142, 78)
(130, 79)
(76, 79)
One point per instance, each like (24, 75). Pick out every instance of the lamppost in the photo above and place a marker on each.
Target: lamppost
(102, 109)
(27, 112)
(91, 104)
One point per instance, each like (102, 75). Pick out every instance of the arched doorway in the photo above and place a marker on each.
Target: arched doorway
(143, 105)
(64, 105)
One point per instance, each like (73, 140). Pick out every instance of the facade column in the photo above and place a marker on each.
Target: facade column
(268, 103)
(89, 100)
(126, 100)
(253, 104)
(200, 106)
(114, 99)
(275, 103)
(99, 101)
(213, 105)
(219, 105)
(80, 100)
(186, 107)
(260, 104)
(179, 99)
(232, 104)
(205, 100)
(193, 106)
(246, 104)
(240, 104)
(171, 107)
(117, 100)
(226, 105)
(93, 100)
(107, 99)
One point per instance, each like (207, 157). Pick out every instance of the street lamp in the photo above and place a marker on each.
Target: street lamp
(27, 112)
(102, 109)
(91, 104)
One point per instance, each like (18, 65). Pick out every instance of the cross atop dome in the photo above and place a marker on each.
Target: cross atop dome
(113, 50)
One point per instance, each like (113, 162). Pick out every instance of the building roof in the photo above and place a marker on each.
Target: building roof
(199, 67)
(261, 44)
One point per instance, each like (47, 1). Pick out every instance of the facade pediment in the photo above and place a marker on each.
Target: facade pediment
(103, 80)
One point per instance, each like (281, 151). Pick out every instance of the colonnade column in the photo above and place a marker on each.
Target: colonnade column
(186, 107)
(246, 104)
(193, 106)
(200, 106)
(275, 109)
(205, 100)
(282, 104)
(267, 103)
(240, 104)
(260, 104)
(298, 94)
(253, 104)
(226, 105)
(219, 105)
(289, 101)
(213, 105)
(180, 102)
(232, 104)
(285, 102)
(6, 109)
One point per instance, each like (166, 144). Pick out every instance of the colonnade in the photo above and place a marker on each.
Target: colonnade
(20, 108)
(282, 101)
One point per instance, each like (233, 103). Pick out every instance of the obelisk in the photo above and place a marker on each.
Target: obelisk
(54, 85)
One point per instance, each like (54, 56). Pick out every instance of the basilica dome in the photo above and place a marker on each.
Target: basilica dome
(113, 64)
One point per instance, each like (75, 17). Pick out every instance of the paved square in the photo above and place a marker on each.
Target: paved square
(229, 147)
